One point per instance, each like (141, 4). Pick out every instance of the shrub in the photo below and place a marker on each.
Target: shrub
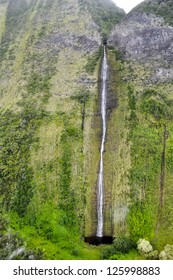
(123, 244)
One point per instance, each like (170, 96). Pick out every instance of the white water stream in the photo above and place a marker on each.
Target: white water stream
(100, 187)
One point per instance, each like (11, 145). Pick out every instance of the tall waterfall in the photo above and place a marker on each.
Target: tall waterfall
(100, 186)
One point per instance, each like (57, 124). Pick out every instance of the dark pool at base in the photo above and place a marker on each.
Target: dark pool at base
(95, 240)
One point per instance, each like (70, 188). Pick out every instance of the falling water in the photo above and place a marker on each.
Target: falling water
(100, 190)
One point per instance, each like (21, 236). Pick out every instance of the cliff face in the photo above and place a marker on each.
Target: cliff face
(144, 37)
(50, 125)
(33, 35)
(143, 42)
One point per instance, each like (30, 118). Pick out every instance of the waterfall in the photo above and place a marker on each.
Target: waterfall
(100, 184)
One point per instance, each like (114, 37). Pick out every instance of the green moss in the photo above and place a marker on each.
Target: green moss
(38, 83)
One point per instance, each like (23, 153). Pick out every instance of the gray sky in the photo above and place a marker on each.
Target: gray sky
(127, 5)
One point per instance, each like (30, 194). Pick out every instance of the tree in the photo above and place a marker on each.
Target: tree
(82, 97)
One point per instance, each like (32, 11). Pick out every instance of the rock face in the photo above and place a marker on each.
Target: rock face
(144, 42)
(146, 37)
(142, 37)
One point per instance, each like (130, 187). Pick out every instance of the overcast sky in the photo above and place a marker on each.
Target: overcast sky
(127, 5)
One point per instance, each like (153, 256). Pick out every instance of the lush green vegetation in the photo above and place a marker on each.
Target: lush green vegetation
(52, 228)
(149, 122)
(17, 136)
(161, 8)
(49, 144)
(122, 248)
(105, 13)
(146, 114)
